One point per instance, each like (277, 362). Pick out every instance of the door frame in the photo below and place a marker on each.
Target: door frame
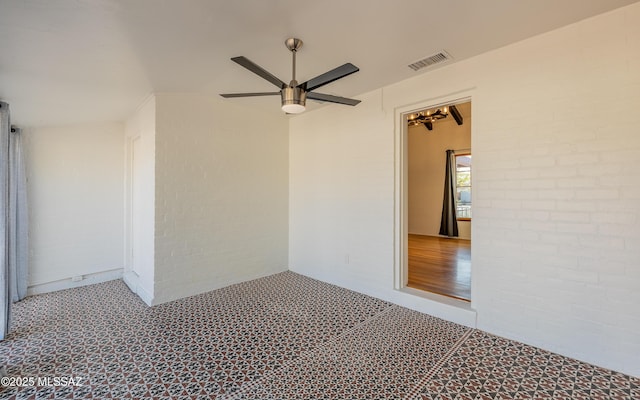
(129, 211)
(401, 215)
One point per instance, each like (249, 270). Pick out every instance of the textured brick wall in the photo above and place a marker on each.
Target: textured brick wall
(556, 235)
(221, 194)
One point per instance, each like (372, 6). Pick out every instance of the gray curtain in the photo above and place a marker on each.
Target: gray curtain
(13, 219)
(18, 219)
(5, 132)
(449, 221)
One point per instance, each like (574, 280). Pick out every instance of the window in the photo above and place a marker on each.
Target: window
(463, 186)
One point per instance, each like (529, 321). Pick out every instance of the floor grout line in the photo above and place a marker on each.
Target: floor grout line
(425, 379)
(310, 352)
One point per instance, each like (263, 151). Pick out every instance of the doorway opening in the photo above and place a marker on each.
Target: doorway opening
(435, 199)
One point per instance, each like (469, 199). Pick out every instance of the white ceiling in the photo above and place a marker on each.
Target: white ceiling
(79, 61)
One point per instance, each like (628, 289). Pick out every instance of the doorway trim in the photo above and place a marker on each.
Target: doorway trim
(130, 275)
(401, 215)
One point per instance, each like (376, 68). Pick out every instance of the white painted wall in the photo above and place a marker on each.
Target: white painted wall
(139, 273)
(75, 190)
(426, 170)
(556, 239)
(221, 194)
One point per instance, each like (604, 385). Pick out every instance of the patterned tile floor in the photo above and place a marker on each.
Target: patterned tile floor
(280, 337)
(489, 367)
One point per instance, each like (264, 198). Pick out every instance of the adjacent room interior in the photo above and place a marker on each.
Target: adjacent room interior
(212, 199)
(439, 200)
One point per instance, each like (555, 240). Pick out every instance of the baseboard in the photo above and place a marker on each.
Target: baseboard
(167, 294)
(133, 281)
(68, 283)
(454, 310)
(440, 236)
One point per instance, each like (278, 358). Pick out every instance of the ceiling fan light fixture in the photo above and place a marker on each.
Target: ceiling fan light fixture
(293, 108)
(293, 100)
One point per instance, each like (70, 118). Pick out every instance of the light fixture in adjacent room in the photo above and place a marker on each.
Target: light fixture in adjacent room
(428, 117)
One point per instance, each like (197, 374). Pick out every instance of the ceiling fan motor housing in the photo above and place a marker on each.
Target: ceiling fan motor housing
(292, 97)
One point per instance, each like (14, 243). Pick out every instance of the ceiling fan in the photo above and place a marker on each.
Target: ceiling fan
(294, 95)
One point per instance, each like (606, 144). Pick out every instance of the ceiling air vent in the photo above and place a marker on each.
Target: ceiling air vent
(438, 58)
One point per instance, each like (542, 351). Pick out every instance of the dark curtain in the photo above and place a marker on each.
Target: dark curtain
(449, 221)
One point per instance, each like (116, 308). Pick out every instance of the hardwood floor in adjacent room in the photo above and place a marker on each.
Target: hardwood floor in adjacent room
(440, 265)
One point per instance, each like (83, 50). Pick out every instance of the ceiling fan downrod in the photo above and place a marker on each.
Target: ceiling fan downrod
(293, 97)
(293, 44)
